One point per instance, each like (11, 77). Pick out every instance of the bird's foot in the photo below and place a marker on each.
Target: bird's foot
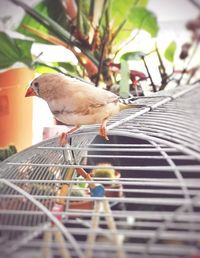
(63, 139)
(103, 132)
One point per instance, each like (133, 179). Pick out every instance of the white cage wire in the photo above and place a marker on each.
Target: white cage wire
(151, 207)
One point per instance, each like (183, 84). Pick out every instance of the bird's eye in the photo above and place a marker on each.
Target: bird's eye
(36, 84)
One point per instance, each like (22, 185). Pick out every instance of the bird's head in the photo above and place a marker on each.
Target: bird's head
(45, 85)
(33, 89)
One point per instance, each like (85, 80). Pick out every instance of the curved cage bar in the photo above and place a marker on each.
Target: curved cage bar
(151, 177)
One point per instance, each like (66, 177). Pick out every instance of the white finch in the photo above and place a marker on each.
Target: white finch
(75, 102)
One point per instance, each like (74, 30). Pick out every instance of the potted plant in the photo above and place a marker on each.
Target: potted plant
(94, 31)
(100, 37)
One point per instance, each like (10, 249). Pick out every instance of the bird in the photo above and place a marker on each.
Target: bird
(76, 102)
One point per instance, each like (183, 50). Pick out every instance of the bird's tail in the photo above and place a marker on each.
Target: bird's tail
(129, 103)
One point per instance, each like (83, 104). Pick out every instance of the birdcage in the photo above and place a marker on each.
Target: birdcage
(136, 195)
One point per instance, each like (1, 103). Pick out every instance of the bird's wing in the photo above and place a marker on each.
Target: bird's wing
(97, 96)
(84, 97)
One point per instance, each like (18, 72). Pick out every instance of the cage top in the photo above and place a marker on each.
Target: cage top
(171, 118)
(151, 207)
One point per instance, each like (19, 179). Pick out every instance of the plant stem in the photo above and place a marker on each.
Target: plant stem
(160, 60)
(104, 41)
(162, 70)
(195, 3)
(104, 10)
(193, 74)
(190, 77)
(148, 72)
(101, 62)
(91, 11)
(132, 37)
(116, 32)
(188, 63)
(126, 43)
(59, 70)
(78, 16)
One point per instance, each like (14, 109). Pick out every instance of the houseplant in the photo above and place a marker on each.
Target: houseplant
(95, 32)
(98, 35)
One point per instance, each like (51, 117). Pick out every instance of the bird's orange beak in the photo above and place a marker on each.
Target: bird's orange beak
(30, 92)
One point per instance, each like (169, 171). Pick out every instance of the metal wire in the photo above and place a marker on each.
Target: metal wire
(151, 208)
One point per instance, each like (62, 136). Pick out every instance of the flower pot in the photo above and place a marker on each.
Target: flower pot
(15, 110)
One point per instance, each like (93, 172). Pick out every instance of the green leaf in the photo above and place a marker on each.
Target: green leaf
(41, 18)
(25, 51)
(136, 16)
(84, 6)
(124, 83)
(170, 51)
(56, 11)
(91, 8)
(121, 9)
(43, 68)
(68, 66)
(141, 18)
(8, 50)
(56, 29)
(14, 50)
(28, 20)
(137, 56)
(83, 22)
(142, 3)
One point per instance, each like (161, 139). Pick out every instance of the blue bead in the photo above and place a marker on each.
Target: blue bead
(98, 191)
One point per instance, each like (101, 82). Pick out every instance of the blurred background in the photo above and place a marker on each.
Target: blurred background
(134, 48)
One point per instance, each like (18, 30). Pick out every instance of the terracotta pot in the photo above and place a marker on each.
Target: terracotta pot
(15, 109)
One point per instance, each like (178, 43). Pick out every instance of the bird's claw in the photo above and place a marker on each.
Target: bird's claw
(103, 133)
(63, 139)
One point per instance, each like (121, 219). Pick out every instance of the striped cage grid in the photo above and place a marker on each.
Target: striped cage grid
(146, 204)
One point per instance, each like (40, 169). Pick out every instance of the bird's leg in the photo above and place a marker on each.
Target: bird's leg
(103, 130)
(63, 139)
